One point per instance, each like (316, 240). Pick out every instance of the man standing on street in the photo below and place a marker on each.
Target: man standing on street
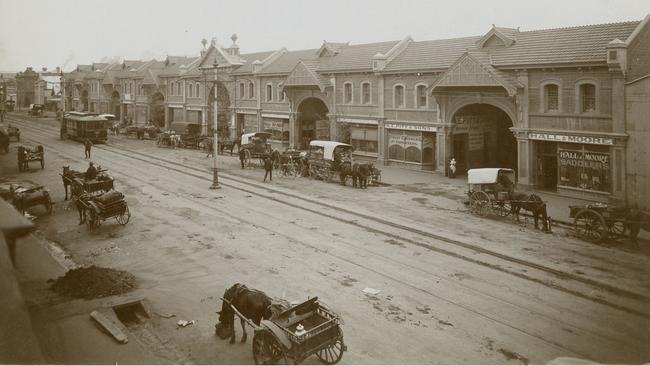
(242, 157)
(268, 168)
(88, 144)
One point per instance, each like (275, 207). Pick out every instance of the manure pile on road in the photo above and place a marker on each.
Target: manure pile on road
(93, 282)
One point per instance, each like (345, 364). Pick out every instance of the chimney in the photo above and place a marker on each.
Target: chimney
(378, 62)
(617, 56)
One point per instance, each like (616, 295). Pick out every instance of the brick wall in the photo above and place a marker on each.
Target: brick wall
(639, 55)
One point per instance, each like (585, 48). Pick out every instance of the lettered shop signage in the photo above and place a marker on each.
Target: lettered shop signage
(571, 138)
(409, 127)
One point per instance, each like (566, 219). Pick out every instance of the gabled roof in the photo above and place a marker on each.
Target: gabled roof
(247, 67)
(330, 49)
(427, 55)
(287, 61)
(355, 57)
(473, 69)
(174, 69)
(507, 35)
(305, 74)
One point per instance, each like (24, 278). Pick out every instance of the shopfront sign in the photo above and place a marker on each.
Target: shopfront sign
(359, 121)
(280, 116)
(583, 169)
(409, 127)
(571, 138)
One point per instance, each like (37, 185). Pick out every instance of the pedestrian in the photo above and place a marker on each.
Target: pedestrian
(209, 147)
(87, 144)
(452, 167)
(242, 157)
(268, 168)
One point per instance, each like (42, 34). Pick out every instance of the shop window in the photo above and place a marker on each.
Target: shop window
(241, 91)
(365, 93)
(347, 93)
(398, 101)
(588, 97)
(364, 139)
(584, 168)
(251, 90)
(405, 146)
(551, 97)
(421, 95)
(269, 93)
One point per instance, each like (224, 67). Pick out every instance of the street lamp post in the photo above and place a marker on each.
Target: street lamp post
(215, 173)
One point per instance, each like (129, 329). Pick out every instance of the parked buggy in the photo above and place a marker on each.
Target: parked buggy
(596, 222)
(297, 333)
(326, 157)
(24, 195)
(104, 206)
(255, 146)
(489, 191)
(289, 163)
(25, 155)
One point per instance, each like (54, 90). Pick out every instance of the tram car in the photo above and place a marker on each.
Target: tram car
(82, 126)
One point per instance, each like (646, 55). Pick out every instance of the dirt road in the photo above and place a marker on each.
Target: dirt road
(454, 288)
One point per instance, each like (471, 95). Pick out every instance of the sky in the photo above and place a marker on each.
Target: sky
(65, 33)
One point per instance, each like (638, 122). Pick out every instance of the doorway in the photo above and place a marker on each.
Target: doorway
(547, 165)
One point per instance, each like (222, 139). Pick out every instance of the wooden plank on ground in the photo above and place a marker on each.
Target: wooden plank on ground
(110, 326)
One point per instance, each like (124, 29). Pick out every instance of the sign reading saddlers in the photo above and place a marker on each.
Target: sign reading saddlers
(571, 138)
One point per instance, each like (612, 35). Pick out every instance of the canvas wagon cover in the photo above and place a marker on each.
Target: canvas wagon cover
(328, 147)
(488, 175)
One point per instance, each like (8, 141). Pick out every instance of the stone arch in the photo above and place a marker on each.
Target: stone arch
(223, 109)
(313, 121)
(157, 108)
(500, 102)
(482, 137)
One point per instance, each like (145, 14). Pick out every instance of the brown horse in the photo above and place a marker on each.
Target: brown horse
(532, 203)
(251, 303)
(68, 176)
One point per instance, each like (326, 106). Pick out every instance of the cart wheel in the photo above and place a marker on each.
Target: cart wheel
(503, 208)
(331, 354)
(480, 203)
(124, 217)
(267, 350)
(590, 225)
(617, 229)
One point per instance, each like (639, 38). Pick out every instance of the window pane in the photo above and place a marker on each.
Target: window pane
(588, 97)
(552, 97)
(422, 96)
(269, 91)
(348, 93)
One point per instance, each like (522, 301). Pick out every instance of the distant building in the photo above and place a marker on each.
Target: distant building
(25, 87)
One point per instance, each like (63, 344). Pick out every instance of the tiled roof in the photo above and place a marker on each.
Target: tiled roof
(286, 62)
(562, 45)
(355, 57)
(173, 69)
(247, 67)
(548, 46)
(438, 54)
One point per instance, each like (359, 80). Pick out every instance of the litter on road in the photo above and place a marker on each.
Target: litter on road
(371, 291)
(185, 323)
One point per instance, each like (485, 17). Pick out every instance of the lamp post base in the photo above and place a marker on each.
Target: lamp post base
(215, 179)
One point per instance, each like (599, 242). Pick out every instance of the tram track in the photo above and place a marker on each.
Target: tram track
(473, 309)
(236, 183)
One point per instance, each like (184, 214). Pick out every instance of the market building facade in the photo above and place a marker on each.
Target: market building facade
(552, 104)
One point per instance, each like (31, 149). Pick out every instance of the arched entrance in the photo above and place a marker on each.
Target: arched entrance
(84, 99)
(158, 109)
(482, 138)
(313, 123)
(115, 105)
(223, 110)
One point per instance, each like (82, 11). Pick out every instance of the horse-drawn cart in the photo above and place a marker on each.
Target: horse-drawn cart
(24, 195)
(25, 155)
(326, 157)
(489, 191)
(254, 145)
(298, 332)
(595, 222)
(102, 207)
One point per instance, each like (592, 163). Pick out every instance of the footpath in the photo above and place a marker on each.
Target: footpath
(557, 206)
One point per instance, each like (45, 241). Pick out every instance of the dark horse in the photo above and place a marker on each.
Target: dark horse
(358, 172)
(253, 304)
(532, 203)
(68, 176)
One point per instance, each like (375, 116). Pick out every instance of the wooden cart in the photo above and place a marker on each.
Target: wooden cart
(25, 155)
(279, 338)
(100, 208)
(596, 222)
